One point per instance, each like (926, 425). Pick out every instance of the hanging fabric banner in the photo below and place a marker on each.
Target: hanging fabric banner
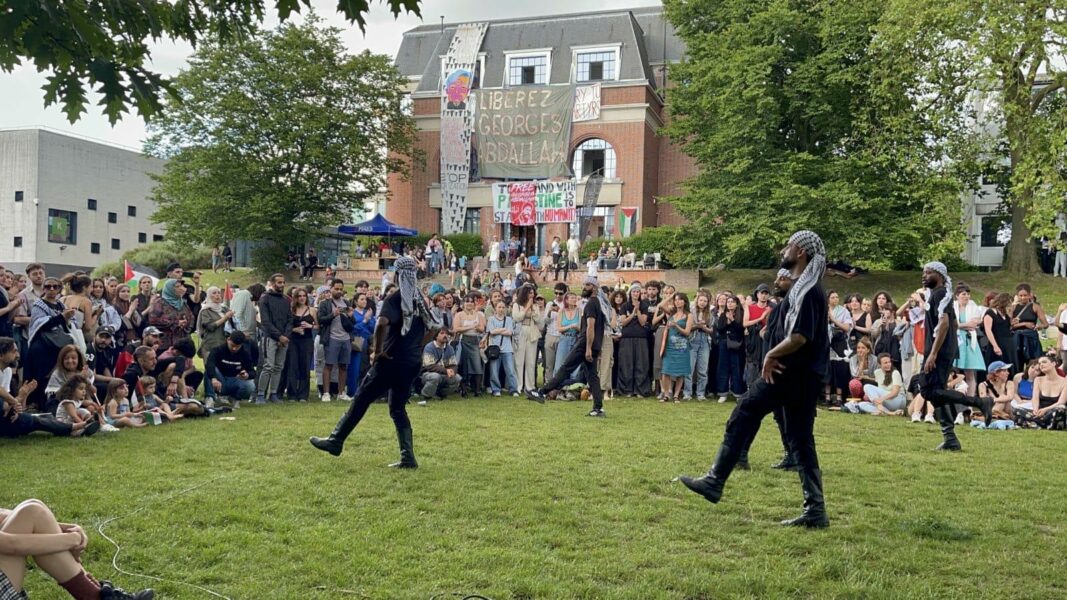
(532, 202)
(457, 123)
(586, 103)
(627, 221)
(524, 132)
(593, 183)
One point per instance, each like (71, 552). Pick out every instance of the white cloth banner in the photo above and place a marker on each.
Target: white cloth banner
(457, 123)
(586, 103)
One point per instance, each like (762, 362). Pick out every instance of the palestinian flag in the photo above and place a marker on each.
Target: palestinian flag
(134, 273)
(627, 221)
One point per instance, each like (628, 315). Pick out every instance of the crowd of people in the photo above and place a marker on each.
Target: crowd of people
(80, 355)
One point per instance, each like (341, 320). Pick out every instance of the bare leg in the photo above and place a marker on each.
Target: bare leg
(34, 517)
(664, 386)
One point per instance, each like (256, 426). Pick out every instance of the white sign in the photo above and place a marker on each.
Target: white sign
(586, 103)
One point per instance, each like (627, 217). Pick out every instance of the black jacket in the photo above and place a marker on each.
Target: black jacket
(326, 319)
(275, 315)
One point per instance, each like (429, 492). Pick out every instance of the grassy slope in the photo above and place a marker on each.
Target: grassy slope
(516, 500)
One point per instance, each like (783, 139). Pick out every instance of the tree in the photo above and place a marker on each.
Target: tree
(777, 104)
(1006, 56)
(105, 42)
(277, 136)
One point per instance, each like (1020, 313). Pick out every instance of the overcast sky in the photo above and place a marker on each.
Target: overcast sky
(21, 95)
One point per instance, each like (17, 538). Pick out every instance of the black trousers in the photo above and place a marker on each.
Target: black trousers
(795, 396)
(576, 358)
(385, 378)
(633, 367)
(25, 424)
(932, 386)
(564, 266)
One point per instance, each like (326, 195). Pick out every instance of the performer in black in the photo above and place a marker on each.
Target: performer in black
(791, 379)
(586, 350)
(405, 323)
(942, 348)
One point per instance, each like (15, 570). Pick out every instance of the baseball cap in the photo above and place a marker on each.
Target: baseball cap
(998, 365)
(105, 330)
(152, 331)
(763, 287)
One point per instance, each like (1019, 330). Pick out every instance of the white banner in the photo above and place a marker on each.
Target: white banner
(457, 123)
(586, 103)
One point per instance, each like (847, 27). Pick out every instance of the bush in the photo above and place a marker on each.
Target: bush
(674, 246)
(157, 256)
(465, 244)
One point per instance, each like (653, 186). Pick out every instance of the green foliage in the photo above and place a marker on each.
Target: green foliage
(276, 138)
(105, 42)
(157, 256)
(680, 246)
(776, 101)
(466, 244)
(998, 62)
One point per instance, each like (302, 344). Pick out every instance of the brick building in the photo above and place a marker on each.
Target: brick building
(627, 51)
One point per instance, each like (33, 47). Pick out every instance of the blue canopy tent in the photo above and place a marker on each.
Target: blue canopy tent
(378, 226)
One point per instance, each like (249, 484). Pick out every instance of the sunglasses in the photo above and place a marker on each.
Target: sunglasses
(51, 286)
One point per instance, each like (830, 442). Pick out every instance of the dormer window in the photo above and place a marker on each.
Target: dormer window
(595, 64)
(528, 68)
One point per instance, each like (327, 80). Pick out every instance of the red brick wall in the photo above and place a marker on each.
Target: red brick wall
(674, 167)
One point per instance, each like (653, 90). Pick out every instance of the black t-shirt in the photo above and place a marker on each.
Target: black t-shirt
(634, 329)
(100, 359)
(812, 324)
(950, 348)
(403, 348)
(592, 311)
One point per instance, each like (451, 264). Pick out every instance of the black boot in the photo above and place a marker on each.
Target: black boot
(742, 461)
(335, 443)
(946, 416)
(407, 450)
(710, 486)
(814, 515)
(788, 462)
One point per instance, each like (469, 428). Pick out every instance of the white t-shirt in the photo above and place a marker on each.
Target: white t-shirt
(591, 268)
(494, 252)
(1063, 336)
(895, 379)
(5, 382)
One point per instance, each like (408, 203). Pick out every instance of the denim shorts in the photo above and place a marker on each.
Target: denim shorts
(338, 352)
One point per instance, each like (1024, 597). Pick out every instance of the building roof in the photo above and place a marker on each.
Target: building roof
(646, 39)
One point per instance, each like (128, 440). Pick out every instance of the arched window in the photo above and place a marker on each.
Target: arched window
(594, 156)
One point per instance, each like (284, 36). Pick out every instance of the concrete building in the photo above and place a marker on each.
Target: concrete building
(72, 203)
(627, 51)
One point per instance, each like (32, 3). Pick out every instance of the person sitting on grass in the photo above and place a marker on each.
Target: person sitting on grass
(149, 401)
(1049, 405)
(1024, 386)
(999, 386)
(69, 362)
(30, 530)
(886, 397)
(117, 411)
(439, 377)
(76, 404)
(173, 387)
(14, 421)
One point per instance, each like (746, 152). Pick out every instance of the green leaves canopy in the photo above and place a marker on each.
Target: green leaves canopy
(105, 42)
(276, 137)
(777, 103)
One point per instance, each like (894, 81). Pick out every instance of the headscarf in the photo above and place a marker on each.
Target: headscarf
(40, 313)
(406, 268)
(940, 268)
(812, 245)
(174, 300)
(205, 306)
(784, 273)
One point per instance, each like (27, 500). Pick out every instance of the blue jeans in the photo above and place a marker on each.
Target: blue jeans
(699, 354)
(566, 342)
(729, 375)
(354, 365)
(509, 373)
(238, 389)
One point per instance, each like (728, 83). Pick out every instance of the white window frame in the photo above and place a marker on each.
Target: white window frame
(576, 50)
(481, 69)
(539, 52)
(611, 160)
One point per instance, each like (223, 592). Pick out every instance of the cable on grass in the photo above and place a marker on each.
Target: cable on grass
(144, 505)
(460, 595)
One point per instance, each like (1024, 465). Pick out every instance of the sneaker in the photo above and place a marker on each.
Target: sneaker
(421, 403)
(236, 404)
(596, 413)
(209, 403)
(959, 419)
(536, 396)
(274, 399)
(722, 399)
(496, 394)
(343, 397)
(930, 418)
(701, 398)
(108, 428)
(326, 397)
(260, 400)
(515, 394)
(916, 417)
(110, 592)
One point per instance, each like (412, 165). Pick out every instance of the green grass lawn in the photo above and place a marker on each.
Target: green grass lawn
(518, 500)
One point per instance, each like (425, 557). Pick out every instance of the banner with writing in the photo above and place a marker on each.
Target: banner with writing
(457, 123)
(531, 202)
(586, 103)
(524, 132)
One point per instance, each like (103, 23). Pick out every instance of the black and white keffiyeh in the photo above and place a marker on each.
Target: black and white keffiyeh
(411, 300)
(940, 268)
(812, 245)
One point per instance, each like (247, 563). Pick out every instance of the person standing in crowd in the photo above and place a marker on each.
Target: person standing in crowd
(84, 320)
(276, 322)
(27, 298)
(227, 257)
(997, 325)
(552, 333)
(1027, 319)
(586, 350)
(573, 247)
(633, 346)
(494, 255)
(170, 314)
(405, 323)
(500, 350)
(700, 345)
(791, 379)
(729, 328)
(363, 319)
(528, 322)
(335, 335)
(48, 333)
(838, 376)
(469, 326)
(301, 350)
(675, 349)
(942, 344)
(1061, 325)
(229, 370)
(755, 320)
(970, 315)
(568, 324)
(8, 303)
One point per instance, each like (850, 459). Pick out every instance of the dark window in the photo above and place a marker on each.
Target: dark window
(18, 195)
(112, 217)
(131, 211)
(593, 161)
(472, 221)
(62, 226)
(94, 248)
(596, 66)
(156, 237)
(91, 204)
(142, 238)
(596, 71)
(18, 241)
(528, 70)
(996, 231)
(529, 75)
(115, 244)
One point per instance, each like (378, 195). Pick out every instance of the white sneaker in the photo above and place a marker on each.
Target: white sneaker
(722, 399)
(916, 417)
(343, 397)
(108, 428)
(236, 404)
(959, 419)
(209, 403)
(930, 418)
(326, 397)
(421, 403)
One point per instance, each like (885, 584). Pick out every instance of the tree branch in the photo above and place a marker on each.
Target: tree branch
(1039, 97)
